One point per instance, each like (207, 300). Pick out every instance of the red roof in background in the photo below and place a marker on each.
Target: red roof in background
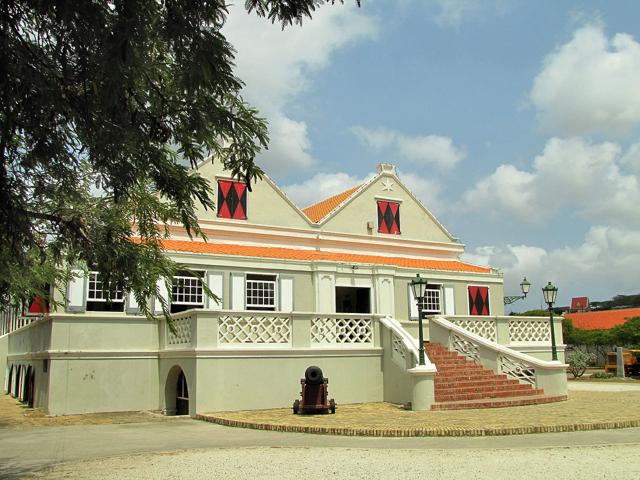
(603, 319)
(579, 302)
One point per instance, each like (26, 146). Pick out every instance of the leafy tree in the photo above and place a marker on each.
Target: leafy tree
(627, 334)
(579, 361)
(102, 104)
(618, 301)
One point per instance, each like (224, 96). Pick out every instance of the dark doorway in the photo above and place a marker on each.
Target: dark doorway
(353, 300)
(182, 395)
(10, 382)
(30, 385)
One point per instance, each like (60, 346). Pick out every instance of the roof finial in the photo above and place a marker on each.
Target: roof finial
(386, 168)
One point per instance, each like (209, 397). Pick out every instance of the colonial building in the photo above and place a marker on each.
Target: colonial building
(327, 285)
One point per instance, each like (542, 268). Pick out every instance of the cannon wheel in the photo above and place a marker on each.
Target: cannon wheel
(296, 407)
(332, 405)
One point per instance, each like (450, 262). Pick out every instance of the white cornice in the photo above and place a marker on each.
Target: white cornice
(243, 233)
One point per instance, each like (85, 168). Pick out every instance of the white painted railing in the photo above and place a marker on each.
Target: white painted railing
(200, 328)
(547, 375)
(402, 343)
(508, 330)
(11, 320)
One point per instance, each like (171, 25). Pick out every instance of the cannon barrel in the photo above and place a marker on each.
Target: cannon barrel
(313, 375)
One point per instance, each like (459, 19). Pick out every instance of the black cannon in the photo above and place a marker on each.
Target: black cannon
(314, 393)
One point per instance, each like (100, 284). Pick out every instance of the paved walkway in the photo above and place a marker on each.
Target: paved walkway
(585, 386)
(583, 411)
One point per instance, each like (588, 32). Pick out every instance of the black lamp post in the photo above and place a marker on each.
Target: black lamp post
(524, 286)
(418, 288)
(550, 293)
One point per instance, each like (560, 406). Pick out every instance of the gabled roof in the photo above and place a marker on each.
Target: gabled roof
(579, 302)
(315, 255)
(318, 211)
(603, 319)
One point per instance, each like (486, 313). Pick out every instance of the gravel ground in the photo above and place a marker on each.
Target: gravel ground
(622, 461)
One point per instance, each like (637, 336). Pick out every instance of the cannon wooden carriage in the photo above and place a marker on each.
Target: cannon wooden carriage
(314, 393)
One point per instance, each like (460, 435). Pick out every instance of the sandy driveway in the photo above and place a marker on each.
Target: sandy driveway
(621, 461)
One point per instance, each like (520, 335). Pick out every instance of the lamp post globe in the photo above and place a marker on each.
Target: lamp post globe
(525, 286)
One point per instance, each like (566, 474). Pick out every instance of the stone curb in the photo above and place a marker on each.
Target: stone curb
(421, 432)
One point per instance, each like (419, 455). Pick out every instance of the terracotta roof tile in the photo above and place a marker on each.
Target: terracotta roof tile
(310, 255)
(318, 211)
(603, 319)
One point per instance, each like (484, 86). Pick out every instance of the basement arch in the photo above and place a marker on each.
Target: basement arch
(176, 392)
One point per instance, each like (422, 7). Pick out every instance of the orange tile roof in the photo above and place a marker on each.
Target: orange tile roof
(318, 211)
(603, 319)
(310, 255)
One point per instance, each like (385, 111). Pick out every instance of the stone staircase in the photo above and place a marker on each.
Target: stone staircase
(463, 384)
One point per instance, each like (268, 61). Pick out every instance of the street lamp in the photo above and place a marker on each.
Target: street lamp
(524, 286)
(418, 288)
(550, 293)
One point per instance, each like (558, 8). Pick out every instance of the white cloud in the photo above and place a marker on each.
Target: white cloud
(452, 12)
(590, 84)
(277, 66)
(570, 173)
(321, 186)
(427, 191)
(605, 264)
(422, 149)
(631, 158)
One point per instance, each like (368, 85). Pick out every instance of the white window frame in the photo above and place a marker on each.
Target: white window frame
(191, 286)
(436, 289)
(118, 295)
(252, 285)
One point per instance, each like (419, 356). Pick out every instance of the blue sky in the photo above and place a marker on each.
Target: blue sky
(517, 123)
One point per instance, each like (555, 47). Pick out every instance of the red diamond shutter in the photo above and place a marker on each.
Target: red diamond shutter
(478, 300)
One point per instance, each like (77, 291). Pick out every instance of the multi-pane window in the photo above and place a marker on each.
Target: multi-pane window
(98, 299)
(232, 199)
(186, 291)
(261, 292)
(431, 302)
(388, 217)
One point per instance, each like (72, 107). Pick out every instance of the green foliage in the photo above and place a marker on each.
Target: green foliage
(617, 302)
(579, 361)
(102, 104)
(603, 375)
(532, 313)
(628, 334)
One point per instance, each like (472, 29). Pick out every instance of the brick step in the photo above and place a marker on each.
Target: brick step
(497, 402)
(466, 375)
(450, 396)
(484, 389)
(454, 363)
(475, 382)
(461, 368)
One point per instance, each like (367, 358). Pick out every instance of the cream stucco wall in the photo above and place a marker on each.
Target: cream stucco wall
(266, 204)
(415, 222)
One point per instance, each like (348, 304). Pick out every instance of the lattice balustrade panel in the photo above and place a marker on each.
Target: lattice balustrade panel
(341, 330)
(529, 331)
(516, 369)
(483, 328)
(182, 335)
(234, 329)
(465, 347)
(398, 346)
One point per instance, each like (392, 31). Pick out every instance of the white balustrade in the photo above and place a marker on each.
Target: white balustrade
(332, 330)
(529, 330)
(254, 329)
(484, 327)
(181, 334)
(548, 375)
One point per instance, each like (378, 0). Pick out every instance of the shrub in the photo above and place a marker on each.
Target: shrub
(603, 375)
(578, 362)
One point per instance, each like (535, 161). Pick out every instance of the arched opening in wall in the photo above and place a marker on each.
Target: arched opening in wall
(176, 392)
(9, 385)
(23, 382)
(16, 382)
(30, 386)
